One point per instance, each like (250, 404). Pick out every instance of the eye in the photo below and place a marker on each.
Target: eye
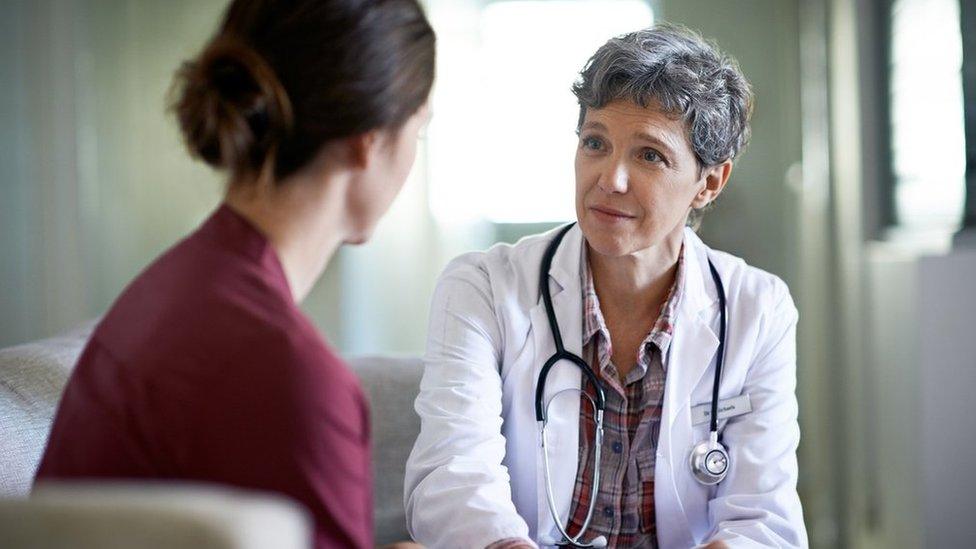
(592, 143)
(650, 155)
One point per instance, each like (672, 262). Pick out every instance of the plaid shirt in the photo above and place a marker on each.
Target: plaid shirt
(624, 510)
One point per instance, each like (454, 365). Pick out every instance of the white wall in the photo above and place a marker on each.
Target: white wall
(922, 371)
(947, 375)
(94, 177)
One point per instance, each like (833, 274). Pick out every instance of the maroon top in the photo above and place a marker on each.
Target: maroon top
(206, 370)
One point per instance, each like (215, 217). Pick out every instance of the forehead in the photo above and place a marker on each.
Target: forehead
(624, 119)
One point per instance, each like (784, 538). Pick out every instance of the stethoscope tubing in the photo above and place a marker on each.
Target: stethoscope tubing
(541, 410)
(561, 352)
(723, 325)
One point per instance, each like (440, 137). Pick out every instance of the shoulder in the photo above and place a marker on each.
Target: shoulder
(496, 288)
(748, 285)
(192, 298)
(305, 358)
(297, 370)
(510, 268)
(753, 283)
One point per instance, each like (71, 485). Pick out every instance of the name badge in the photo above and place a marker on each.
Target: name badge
(730, 407)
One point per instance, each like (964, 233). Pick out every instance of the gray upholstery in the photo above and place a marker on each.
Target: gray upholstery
(109, 516)
(33, 375)
(392, 385)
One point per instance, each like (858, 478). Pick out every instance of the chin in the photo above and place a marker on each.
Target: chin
(360, 233)
(607, 243)
(620, 242)
(358, 238)
(361, 238)
(610, 247)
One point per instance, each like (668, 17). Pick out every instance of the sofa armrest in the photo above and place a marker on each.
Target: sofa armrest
(151, 515)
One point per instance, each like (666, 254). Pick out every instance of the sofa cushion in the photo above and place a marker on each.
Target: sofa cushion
(32, 377)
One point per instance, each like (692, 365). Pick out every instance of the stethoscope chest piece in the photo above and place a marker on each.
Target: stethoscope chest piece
(710, 462)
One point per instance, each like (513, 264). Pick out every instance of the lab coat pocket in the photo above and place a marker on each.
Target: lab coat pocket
(645, 474)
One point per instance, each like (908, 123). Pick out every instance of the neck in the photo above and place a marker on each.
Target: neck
(639, 282)
(301, 218)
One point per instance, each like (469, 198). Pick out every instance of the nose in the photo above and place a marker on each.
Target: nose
(614, 177)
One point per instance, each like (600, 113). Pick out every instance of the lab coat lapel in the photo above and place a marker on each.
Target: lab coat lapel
(692, 351)
(694, 343)
(562, 432)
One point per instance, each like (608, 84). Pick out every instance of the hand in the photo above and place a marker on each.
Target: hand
(717, 544)
(511, 543)
(402, 545)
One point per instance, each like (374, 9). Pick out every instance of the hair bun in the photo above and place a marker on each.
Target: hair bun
(231, 107)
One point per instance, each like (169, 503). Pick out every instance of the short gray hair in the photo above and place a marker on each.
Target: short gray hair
(686, 75)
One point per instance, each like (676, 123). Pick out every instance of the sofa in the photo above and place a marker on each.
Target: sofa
(32, 377)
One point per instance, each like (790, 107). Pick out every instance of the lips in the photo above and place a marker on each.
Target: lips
(611, 212)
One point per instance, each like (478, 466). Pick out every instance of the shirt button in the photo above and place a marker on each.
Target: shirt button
(617, 447)
(608, 511)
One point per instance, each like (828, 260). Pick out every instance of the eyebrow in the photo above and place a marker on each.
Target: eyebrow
(657, 141)
(593, 125)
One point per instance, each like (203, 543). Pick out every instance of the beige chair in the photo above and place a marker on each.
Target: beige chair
(32, 377)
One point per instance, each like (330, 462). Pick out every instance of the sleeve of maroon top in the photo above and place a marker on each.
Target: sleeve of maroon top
(290, 418)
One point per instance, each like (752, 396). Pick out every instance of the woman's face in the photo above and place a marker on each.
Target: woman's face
(636, 178)
(392, 159)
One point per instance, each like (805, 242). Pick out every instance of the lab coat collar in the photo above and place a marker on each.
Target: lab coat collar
(699, 291)
(566, 263)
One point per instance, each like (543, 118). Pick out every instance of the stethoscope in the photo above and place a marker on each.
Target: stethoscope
(709, 459)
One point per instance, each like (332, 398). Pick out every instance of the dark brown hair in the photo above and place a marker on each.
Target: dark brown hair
(281, 78)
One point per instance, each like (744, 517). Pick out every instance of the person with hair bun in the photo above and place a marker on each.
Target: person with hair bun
(205, 369)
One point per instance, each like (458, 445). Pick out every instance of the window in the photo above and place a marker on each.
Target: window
(928, 142)
(502, 140)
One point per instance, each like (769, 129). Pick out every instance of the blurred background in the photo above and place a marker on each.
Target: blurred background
(853, 190)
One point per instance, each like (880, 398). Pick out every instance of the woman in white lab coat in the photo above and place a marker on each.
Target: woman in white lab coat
(637, 295)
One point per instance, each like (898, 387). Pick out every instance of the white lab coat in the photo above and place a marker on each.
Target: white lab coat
(475, 473)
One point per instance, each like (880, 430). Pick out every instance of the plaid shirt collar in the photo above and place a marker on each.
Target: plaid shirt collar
(661, 333)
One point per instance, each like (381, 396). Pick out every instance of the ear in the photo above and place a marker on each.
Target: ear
(362, 148)
(715, 177)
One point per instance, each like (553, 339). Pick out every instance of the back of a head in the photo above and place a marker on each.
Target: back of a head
(282, 78)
